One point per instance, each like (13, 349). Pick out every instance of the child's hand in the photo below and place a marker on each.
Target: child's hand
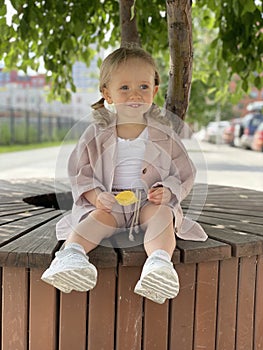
(105, 201)
(159, 195)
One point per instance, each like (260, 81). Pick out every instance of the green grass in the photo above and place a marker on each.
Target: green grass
(17, 148)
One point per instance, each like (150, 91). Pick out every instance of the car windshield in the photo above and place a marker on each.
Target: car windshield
(256, 121)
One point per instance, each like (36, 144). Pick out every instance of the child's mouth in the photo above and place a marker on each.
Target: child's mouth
(135, 105)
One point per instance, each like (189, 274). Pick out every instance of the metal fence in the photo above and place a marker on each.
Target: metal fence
(25, 127)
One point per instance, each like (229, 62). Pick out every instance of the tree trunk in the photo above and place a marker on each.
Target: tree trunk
(129, 32)
(179, 23)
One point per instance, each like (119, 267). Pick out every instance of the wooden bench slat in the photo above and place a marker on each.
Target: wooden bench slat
(245, 303)
(242, 224)
(42, 315)
(101, 328)
(242, 243)
(20, 215)
(182, 313)
(227, 301)
(133, 253)
(6, 207)
(258, 339)
(227, 216)
(18, 228)
(210, 250)
(35, 249)
(199, 209)
(129, 310)
(155, 331)
(206, 305)
(14, 308)
(72, 321)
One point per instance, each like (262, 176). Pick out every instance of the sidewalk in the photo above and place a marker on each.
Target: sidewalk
(220, 165)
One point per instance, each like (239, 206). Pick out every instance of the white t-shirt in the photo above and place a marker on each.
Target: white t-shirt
(130, 155)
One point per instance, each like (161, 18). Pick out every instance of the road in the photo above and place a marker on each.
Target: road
(216, 164)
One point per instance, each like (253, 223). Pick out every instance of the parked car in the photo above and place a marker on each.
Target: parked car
(214, 131)
(257, 143)
(229, 132)
(250, 124)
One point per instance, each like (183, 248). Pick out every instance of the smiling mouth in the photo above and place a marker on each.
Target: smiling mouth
(134, 105)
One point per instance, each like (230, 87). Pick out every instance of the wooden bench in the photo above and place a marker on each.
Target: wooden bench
(219, 307)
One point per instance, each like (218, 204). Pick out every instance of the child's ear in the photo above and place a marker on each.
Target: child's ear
(106, 95)
(155, 90)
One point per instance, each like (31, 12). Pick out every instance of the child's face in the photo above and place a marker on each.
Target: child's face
(132, 84)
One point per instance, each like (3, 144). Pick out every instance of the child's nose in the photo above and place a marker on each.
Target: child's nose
(135, 94)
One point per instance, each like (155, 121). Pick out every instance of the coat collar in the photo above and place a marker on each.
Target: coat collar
(157, 132)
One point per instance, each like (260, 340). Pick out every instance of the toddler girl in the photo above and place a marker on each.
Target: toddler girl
(128, 147)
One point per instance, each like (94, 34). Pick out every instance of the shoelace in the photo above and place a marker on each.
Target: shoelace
(135, 218)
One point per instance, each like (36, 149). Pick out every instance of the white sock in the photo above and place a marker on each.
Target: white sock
(162, 254)
(75, 246)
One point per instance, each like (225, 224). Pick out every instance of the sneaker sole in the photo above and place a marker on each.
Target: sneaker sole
(149, 294)
(163, 281)
(81, 280)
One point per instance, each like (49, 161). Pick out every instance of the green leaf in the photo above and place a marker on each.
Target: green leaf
(24, 28)
(17, 4)
(258, 82)
(245, 85)
(248, 6)
(133, 11)
(235, 6)
(2, 9)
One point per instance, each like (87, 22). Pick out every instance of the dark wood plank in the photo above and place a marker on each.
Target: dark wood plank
(240, 217)
(129, 310)
(183, 309)
(258, 335)
(104, 256)
(210, 250)
(72, 323)
(133, 253)
(16, 229)
(23, 213)
(245, 305)
(5, 208)
(227, 301)
(206, 305)
(234, 225)
(101, 322)
(242, 244)
(14, 308)
(34, 249)
(42, 313)
(136, 256)
(156, 325)
(214, 210)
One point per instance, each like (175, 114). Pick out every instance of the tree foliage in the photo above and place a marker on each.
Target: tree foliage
(227, 39)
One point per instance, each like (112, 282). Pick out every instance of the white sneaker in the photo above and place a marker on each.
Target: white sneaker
(159, 280)
(71, 270)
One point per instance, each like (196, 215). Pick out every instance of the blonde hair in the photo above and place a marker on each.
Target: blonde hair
(114, 60)
(100, 114)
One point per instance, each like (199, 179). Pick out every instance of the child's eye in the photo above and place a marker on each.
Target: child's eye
(144, 86)
(124, 87)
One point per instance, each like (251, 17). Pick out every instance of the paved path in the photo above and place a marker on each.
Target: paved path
(222, 165)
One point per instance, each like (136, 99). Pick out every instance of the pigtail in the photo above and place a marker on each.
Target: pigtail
(98, 104)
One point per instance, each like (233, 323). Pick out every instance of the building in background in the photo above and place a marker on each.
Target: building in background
(19, 92)
(240, 109)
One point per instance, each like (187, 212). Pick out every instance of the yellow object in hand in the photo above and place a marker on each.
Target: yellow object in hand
(126, 198)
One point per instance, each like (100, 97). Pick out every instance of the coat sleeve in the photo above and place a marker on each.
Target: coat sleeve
(181, 174)
(81, 170)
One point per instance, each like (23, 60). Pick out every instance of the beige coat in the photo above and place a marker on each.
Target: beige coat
(166, 163)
